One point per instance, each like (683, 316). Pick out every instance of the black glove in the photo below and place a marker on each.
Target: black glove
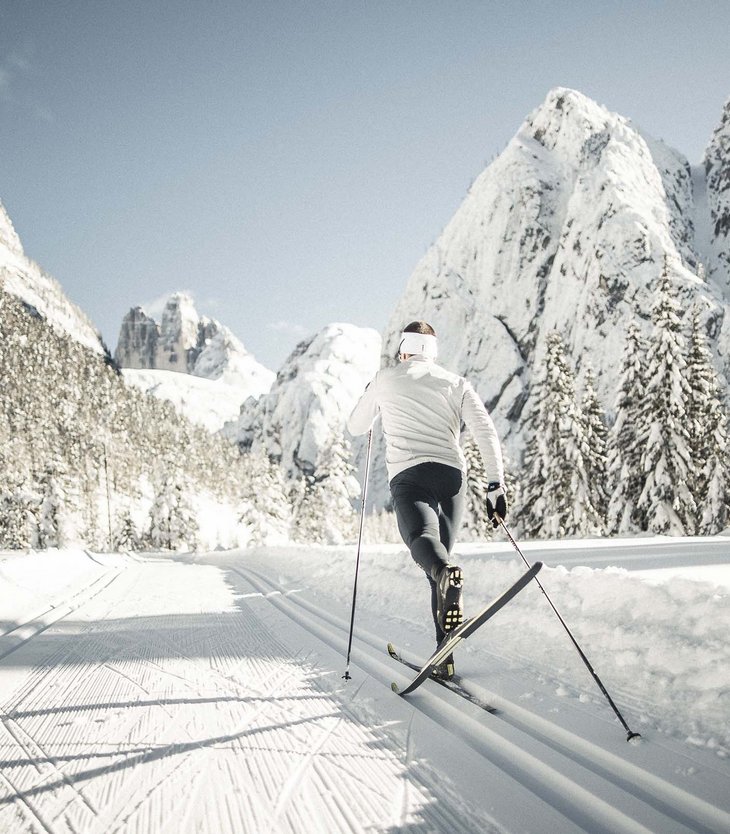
(496, 503)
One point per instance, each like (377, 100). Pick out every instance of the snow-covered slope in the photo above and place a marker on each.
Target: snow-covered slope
(25, 279)
(314, 392)
(193, 361)
(210, 403)
(568, 229)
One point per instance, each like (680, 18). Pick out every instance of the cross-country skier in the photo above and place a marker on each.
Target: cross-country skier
(422, 407)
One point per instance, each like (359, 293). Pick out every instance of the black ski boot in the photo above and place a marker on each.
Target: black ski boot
(449, 608)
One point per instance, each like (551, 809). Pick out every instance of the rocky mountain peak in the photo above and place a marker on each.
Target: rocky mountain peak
(565, 120)
(23, 278)
(569, 229)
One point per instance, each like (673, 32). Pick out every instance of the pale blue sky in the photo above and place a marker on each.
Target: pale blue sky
(290, 162)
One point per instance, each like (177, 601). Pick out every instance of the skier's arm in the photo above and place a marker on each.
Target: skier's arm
(365, 411)
(479, 423)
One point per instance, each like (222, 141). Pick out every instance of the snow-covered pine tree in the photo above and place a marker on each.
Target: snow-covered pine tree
(126, 536)
(309, 523)
(625, 472)
(16, 517)
(173, 525)
(50, 528)
(708, 437)
(476, 524)
(546, 483)
(325, 511)
(666, 499)
(265, 508)
(589, 477)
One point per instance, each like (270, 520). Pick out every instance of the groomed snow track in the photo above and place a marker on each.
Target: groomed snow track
(200, 694)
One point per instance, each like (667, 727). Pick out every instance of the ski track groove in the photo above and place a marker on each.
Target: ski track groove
(35, 751)
(58, 610)
(640, 785)
(35, 691)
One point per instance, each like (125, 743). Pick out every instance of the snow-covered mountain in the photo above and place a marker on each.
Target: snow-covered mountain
(717, 177)
(23, 278)
(193, 361)
(569, 229)
(314, 393)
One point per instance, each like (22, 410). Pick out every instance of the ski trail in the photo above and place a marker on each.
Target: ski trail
(169, 701)
(564, 762)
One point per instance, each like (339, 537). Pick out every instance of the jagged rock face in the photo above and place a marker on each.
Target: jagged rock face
(9, 239)
(186, 342)
(171, 345)
(717, 171)
(138, 339)
(198, 349)
(24, 279)
(569, 230)
(312, 397)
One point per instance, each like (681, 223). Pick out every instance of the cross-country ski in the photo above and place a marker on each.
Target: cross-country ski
(455, 683)
(467, 628)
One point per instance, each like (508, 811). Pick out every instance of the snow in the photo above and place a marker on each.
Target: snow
(210, 403)
(204, 692)
(311, 399)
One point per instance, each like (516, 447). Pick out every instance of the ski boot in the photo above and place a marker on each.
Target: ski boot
(449, 607)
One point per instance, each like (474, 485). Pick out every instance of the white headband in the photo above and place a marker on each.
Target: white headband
(418, 343)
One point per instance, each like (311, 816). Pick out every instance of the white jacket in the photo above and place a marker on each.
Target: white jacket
(422, 407)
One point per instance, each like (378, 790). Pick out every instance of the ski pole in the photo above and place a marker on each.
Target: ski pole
(630, 734)
(346, 676)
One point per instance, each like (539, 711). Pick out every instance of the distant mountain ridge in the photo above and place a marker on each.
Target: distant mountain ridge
(186, 342)
(305, 411)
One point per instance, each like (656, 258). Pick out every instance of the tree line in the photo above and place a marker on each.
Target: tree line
(86, 458)
(661, 467)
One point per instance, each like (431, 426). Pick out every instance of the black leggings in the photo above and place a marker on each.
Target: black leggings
(429, 503)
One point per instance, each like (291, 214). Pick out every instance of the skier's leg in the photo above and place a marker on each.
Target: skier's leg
(451, 509)
(417, 494)
(440, 633)
(452, 502)
(417, 514)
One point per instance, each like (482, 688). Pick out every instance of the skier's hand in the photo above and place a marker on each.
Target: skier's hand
(496, 503)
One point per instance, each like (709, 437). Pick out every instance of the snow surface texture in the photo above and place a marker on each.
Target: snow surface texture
(25, 279)
(193, 361)
(569, 230)
(203, 693)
